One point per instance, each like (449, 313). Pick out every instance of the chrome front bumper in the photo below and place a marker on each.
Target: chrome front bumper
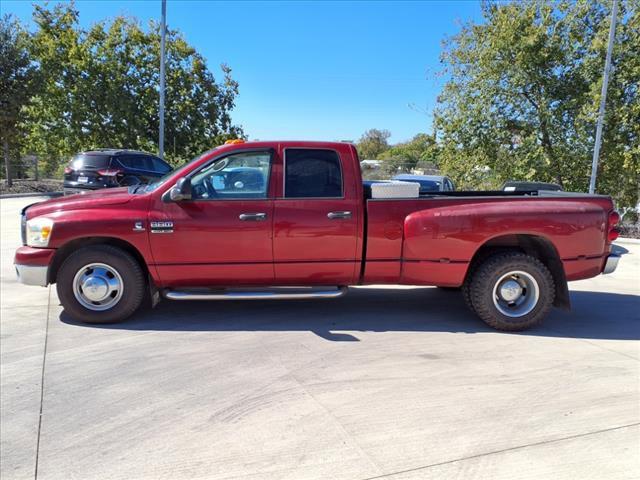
(33, 274)
(611, 263)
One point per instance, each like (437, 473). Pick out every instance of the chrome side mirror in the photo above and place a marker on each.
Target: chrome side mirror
(181, 191)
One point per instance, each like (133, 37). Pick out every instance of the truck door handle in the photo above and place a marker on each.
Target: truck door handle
(255, 217)
(338, 215)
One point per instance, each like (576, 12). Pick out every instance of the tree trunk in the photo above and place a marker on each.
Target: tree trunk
(7, 163)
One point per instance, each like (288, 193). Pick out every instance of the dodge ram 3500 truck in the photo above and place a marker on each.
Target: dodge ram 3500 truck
(254, 220)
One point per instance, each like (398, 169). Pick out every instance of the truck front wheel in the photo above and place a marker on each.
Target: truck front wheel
(100, 284)
(512, 291)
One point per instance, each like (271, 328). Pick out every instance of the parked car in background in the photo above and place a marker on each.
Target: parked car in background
(516, 186)
(105, 168)
(428, 183)
(372, 164)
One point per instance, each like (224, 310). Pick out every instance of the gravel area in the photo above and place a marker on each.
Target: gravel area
(31, 186)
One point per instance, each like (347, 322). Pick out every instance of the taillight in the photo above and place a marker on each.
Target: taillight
(614, 219)
(110, 172)
(67, 170)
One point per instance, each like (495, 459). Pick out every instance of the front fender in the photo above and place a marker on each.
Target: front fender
(80, 224)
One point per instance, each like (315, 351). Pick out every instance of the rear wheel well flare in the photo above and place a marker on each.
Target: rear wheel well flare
(534, 245)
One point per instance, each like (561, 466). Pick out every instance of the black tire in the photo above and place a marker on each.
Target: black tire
(488, 273)
(466, 293)
(130, 271)
(466, 286)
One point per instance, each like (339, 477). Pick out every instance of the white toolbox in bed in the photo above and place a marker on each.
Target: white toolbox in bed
(395, 190)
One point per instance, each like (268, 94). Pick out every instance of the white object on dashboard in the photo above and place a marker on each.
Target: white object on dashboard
(395, 190)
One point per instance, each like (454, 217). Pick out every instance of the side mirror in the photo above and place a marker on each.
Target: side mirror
(181, 191)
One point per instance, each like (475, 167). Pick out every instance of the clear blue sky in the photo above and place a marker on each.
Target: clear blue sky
(312, 70)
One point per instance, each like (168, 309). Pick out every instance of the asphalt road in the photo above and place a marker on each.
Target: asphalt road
(387, 383)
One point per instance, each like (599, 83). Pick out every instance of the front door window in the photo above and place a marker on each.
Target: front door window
(239, 176)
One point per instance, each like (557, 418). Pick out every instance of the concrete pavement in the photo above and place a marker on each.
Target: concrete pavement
(398, 383)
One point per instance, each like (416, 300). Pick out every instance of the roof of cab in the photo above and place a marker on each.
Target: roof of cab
(286, 143)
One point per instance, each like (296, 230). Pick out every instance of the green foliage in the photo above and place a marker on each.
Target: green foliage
(100, 89)
(421, 152)
(372, 143)
(523, 92)
(17, 81)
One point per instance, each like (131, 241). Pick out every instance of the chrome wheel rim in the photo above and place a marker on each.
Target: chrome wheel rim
(516, 294)
(98, 287)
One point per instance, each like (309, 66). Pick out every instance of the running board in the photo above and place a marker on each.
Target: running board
(283, 293)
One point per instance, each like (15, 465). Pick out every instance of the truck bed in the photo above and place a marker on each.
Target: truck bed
(431, 240)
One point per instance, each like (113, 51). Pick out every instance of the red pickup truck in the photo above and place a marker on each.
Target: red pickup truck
(262, 220)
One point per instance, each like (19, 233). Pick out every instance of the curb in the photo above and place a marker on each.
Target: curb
(32, 194)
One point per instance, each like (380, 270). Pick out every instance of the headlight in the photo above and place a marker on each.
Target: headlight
(39, 231)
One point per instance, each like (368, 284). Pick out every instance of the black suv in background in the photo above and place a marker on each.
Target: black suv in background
(106, 168)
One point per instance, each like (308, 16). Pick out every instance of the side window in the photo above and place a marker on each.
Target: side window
(137, 162)
(125, 161)
(160, 166)
(131, 161)
(449, 185)
(145, 162)
(242, 175)
(312, 173)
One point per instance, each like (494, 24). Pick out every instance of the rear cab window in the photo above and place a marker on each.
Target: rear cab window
(312, 173)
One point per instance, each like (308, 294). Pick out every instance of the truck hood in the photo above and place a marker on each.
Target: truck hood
(96, 199)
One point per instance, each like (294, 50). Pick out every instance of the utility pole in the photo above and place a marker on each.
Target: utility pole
(163, 32)
(603, 98)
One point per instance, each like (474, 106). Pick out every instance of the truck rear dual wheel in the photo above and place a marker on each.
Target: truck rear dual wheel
(100, 284)
(510, 291)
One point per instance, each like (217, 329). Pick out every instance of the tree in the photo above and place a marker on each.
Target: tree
(101, 89)
(372, 143)
(523, 94)
(422, 150)
(17, 80)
